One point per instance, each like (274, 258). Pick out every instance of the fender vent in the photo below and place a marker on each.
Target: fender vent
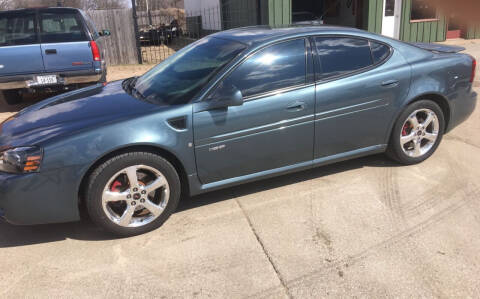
(178, 123)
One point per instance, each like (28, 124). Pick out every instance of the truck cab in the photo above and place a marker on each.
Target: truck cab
(48, 49)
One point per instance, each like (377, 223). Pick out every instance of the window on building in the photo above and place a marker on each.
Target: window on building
(278, 66)
(342, 55)
(423, 10)
(389, 8)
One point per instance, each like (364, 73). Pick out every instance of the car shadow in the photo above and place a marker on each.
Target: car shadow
(11, 235)
(27, 100)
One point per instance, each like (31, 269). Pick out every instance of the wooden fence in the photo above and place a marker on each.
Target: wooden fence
(120, 46)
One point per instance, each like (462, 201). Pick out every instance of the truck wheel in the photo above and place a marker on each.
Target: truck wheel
(133, 193)
(103, 78)
(12, 97)
(417, 133)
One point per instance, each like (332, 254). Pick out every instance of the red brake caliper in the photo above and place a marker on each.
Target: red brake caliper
(116, 186)
(404, 130)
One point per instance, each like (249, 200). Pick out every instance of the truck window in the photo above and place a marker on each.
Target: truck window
(61, 27)
(17, 29)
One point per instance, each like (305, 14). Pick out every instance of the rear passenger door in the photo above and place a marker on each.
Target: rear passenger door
(359, 83)
(65, 43)
(20, 51)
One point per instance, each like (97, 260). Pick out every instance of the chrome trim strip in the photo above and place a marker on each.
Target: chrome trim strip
(348, 107)
(351, 112)
(256, 130)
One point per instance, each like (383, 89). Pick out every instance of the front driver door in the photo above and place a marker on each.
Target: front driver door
(274, 126)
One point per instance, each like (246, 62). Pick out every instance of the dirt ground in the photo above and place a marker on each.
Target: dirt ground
(364, 228)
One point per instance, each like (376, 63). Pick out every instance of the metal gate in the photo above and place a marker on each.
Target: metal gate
(161, 31)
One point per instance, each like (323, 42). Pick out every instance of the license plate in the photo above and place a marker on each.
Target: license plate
(45, 80)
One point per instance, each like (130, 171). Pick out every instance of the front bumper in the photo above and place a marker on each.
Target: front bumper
(39, 198)
(63, 78)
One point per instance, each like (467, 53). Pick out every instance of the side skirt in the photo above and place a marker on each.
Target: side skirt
(197, 188)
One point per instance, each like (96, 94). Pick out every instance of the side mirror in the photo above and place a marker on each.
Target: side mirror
(104, 32)
(226, 96)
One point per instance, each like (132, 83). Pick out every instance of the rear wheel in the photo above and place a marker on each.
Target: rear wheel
(417, 133)
(133, 193)
(12, 97)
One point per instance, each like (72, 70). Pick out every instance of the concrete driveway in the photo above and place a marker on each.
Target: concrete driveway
(366, 227)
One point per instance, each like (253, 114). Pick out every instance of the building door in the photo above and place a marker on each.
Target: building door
(454, 27)
(391, 18)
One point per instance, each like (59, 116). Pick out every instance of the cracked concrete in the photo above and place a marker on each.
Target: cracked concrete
(364, 228)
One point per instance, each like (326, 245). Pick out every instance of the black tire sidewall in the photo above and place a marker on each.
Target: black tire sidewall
(107, 170)
(12, 97)
(395, 148)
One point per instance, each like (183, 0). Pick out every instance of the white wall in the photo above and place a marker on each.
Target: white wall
(208, 9)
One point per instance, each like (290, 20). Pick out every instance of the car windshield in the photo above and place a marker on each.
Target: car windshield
(179, 78)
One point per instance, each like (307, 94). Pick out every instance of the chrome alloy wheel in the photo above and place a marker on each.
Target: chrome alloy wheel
(135, 196)
(419, 133)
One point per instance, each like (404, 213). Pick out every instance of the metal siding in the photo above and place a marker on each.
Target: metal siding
(271, 12)
(279, 12)
(379, 16)
(433, 34)
(375, 13)
(405, 28)
(426, 31)
(432, 31)
(441, 29)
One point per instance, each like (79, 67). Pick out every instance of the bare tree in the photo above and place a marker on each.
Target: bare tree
(4, 4)
(158, 4)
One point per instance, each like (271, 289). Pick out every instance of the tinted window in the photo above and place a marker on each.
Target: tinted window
(91, 26)
(61, 27)
(379, 51)
(341, 55)
(179, 78)
(278, 66)
(17, 29)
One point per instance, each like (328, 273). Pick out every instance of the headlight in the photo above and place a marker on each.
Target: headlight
(21, 160)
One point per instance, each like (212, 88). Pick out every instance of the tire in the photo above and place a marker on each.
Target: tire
(12, 97)
(103, 78)
(149, 168)
(415, 137)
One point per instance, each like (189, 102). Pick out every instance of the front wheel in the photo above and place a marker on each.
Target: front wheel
(417, 133)
(133, 193)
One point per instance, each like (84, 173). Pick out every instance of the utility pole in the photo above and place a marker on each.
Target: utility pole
(149, 15)
(135, 27)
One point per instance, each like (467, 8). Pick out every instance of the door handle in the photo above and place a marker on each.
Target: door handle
(390, 83)
(50, 51)
(296, 106)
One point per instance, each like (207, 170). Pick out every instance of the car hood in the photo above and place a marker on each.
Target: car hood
(70, 112)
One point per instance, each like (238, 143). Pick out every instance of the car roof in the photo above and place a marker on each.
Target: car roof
(52, 9)
(255, 35)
